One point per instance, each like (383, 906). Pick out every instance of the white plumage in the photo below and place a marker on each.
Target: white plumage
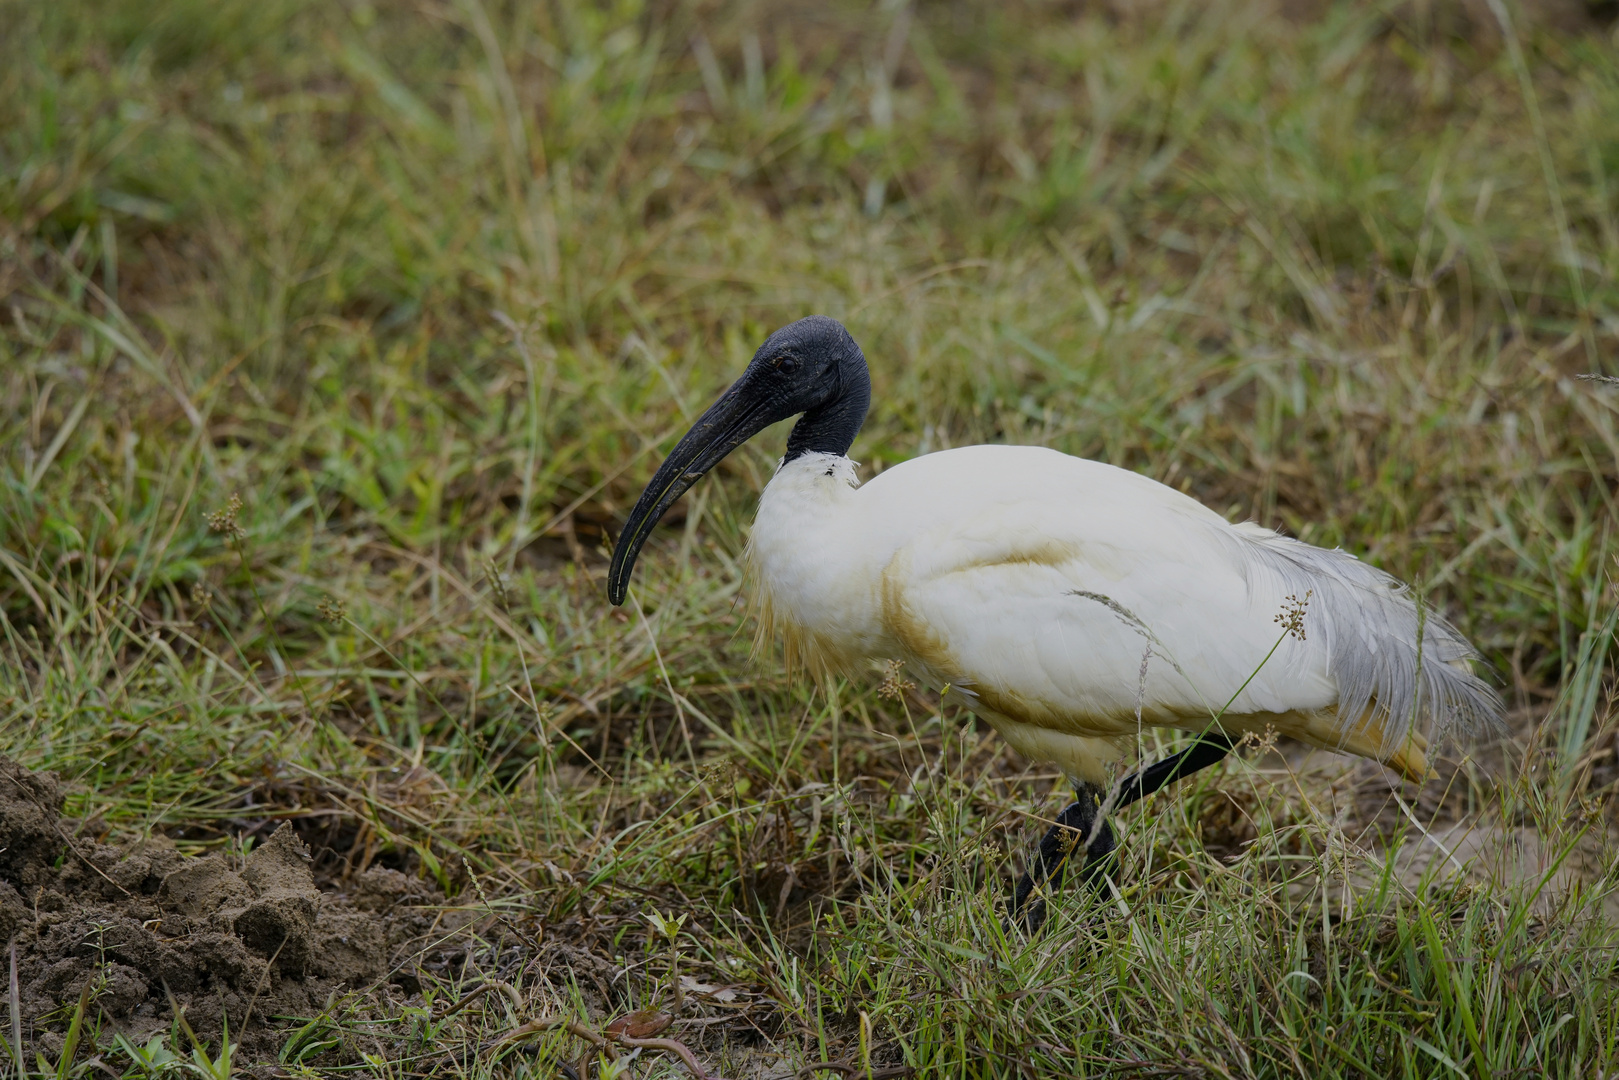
(1069, 601)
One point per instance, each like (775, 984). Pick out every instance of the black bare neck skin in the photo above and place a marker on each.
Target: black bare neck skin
(831, 428)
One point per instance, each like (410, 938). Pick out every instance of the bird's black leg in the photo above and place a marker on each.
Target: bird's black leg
(1210, 748)
(1045, 876)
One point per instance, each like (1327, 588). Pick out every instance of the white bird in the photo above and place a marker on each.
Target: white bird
(1067, 602)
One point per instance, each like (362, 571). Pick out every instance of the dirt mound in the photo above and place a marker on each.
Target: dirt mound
(248, 940)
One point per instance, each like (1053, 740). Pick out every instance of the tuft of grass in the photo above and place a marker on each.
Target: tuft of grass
(337, 339)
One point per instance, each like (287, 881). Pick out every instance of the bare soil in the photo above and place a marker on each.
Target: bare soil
(254, 940)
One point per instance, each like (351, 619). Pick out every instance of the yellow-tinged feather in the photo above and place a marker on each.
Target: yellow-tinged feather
(1368, 738)
(804, 652)
(1081, 745)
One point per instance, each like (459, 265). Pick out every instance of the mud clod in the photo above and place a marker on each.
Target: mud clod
(222, 934)
(203, 886)
(30, 811)
(271, 904)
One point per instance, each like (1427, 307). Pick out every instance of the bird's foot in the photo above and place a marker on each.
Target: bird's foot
(1027, 906)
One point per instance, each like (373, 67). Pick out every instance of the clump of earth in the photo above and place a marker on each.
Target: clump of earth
(252, 940)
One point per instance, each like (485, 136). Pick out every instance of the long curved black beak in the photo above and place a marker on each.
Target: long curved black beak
(736, 417)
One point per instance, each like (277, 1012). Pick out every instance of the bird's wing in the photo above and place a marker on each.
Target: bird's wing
(1082, 621)
(1089, 595)
(1393, 660)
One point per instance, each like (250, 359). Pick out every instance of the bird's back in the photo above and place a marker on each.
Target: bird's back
(1081, 598)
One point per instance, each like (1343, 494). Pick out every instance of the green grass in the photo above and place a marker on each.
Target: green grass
(430, 288)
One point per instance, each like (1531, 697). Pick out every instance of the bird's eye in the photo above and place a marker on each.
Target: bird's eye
(786, 364)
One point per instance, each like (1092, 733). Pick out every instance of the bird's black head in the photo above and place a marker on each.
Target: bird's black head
(811, 367)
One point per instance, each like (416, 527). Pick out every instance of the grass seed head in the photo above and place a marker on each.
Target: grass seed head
(894, 686)
(1291, 617)
(499, 588)
(1261, 743)
(720, 772)
(224, 521)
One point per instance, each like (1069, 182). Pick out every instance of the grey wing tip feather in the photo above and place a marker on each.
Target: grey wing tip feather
(1389, 654)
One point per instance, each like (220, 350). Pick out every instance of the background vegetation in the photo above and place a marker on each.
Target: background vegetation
(430, 287)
